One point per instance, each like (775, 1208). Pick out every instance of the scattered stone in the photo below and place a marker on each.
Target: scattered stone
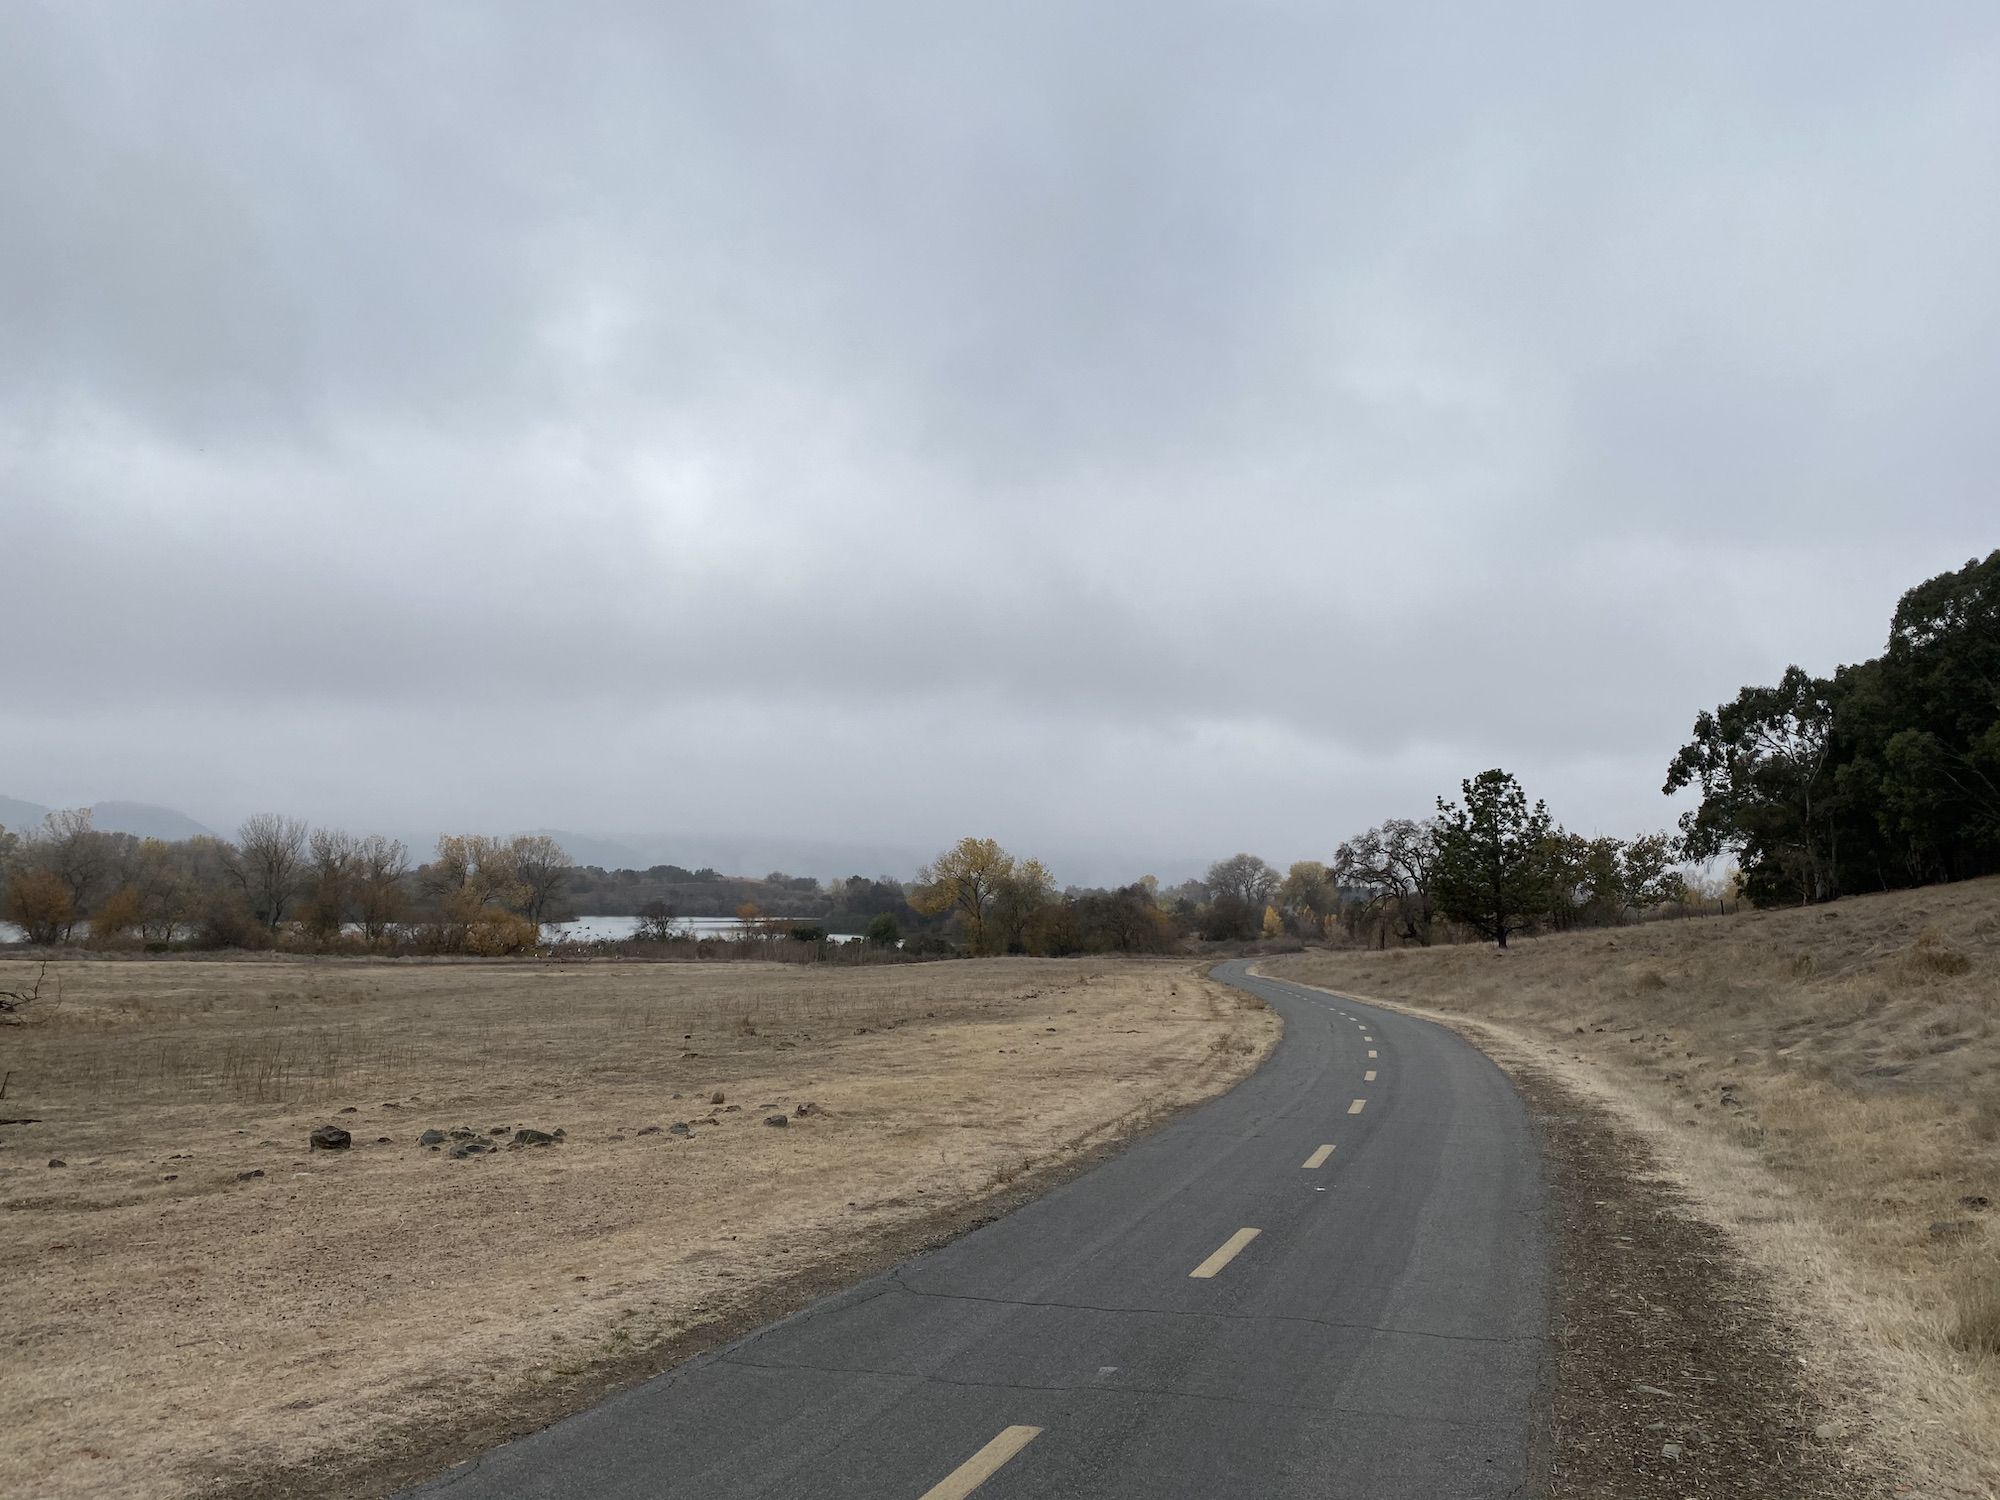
(460, 1134)
(1651, 1390)
(383, 1140)
(350, 1110)
(680, 1127)
(57, 1161)
(808, 1108)
(526, 1137)
(464, 1151)
(248, 1176)
(730, 1109)
(1945, 1229)
(431, 1138)
(392, 1106)
(777, 1119)
(614, 1138)
(1670, 1450)
(1975, 1201)
(560, 1133)
(498, 1130)
(1826, 1432)
(716, 1097)
(649, 1130)
(171, 1177)
(329, 1138)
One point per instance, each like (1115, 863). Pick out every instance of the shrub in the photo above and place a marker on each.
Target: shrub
(1977, 1327)
(116, 915)
(40, 904)
(1930, 954)
(495, 934)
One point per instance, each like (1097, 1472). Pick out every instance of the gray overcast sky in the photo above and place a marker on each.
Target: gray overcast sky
(1132, 430)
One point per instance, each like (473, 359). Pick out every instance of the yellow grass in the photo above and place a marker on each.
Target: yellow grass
(1827, 1082)
(168, 1322)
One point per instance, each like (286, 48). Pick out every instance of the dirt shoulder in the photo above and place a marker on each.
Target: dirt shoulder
(1675, 1373)
(207, 1306)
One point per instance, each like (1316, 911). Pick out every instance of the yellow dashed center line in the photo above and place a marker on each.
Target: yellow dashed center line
(1357, 1106)
(1231, 1248)
(1369, 1076)
(1371, 1052)
(1318, 1158)
(982, 1466)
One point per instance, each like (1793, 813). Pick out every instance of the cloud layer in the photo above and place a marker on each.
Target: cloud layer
(1137, 431)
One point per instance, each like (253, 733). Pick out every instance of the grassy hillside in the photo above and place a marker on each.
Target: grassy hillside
(1850, 1048)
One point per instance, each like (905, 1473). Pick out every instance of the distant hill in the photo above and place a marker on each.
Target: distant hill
(606, 854)
(140, 819)
(18, 817)
(144, 820)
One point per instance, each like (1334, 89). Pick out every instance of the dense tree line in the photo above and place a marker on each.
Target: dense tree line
(1488, 864)
(278, 881)
(1885, 774)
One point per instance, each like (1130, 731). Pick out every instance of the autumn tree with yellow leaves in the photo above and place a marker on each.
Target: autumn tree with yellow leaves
(966, 880)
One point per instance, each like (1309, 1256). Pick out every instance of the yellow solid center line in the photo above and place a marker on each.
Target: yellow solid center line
(1231, 1248)
(1356, 1107)
(1318, 1158)
(982, 1466)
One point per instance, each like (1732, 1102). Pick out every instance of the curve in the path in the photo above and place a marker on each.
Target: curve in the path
(1319, 1284)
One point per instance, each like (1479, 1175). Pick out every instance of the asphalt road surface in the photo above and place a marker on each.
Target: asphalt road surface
(1331, 1281)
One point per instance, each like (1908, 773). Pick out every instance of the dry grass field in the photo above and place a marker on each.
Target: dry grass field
(193, 1294)
(1827, 1083)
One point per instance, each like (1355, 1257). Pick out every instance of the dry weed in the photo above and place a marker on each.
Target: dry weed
(1976, 1326)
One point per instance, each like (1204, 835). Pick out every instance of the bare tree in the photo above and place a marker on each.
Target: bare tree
(270, 858)
(541, 868)
(379, 867)
(1393, 867)
(1244, 878)
(329, 881)
(160, 879)
(79, 857)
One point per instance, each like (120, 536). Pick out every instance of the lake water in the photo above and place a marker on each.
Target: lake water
(614, 929)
